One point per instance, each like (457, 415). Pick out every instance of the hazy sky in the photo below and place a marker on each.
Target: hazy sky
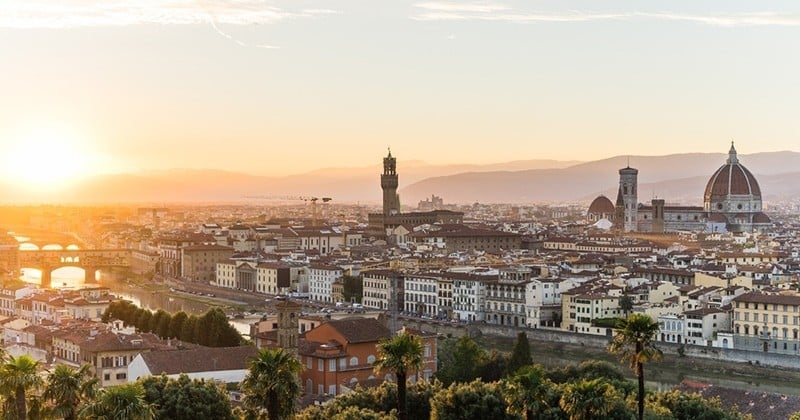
(277, 87)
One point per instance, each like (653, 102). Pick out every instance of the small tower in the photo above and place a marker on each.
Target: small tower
(732, 158)
(627, 201)
(288, 325)
(391, 201)
(658, 215)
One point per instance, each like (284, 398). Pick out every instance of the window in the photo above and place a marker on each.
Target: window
(320, 365)
(121, 376)
(354, 361)
(332, 365)
(107, 377)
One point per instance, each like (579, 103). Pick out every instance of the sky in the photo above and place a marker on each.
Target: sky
(284, 87)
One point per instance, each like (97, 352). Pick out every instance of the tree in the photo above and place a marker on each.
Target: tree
(586, 400)
(69, 389)
(492, 366)
(626, 304)
(185, 398)
(399, 355)
(528, 392)
(476, 400)
(18, 376)
(187, 329)
(459, 361)
(159, 323)
(352, 288)
(684, 406)
(521, 355)
(272, 383)
(121, 402)
(176, 324)
(213, 330)
(633, 341)
(143, 320)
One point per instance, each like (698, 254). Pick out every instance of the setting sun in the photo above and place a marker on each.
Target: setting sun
(46, 157)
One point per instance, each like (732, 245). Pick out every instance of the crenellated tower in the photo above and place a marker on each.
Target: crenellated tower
(391, 201)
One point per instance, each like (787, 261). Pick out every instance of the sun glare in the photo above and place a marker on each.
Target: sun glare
(45, 158)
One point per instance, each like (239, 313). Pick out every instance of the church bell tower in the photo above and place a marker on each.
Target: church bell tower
(627, 205)
(391, 201)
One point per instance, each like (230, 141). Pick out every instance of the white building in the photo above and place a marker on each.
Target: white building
(265, 277)
(223, 364)
(10, 293)
(672, 328)
(421, 295)
(377, 291)
(469, 296)
(702, 325)
(543, 301)
(505, 302)
(320, 281)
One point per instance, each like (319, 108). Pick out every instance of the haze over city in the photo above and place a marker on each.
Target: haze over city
(285, 87)
(399, 210)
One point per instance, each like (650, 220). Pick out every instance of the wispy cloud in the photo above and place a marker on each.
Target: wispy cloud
(491, 11)
(480, 7)
(78, 13)
(738, 19)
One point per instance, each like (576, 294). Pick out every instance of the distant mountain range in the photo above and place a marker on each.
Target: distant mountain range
(676, 178)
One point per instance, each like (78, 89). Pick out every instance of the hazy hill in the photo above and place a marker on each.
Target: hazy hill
(679, 177)
(673, 177)
(205, 185)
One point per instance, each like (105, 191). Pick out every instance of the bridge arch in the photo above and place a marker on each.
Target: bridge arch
(63, 275)
(88, 260)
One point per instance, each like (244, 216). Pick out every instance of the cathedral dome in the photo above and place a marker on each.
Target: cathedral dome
(731, 179)
(601, 205)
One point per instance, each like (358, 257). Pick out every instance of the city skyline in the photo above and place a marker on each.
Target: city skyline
(279, 88)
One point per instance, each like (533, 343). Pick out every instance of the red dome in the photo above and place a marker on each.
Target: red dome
(732, 178)
(761, 218)
(601, 205)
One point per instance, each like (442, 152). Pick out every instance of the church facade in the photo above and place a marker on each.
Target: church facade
(731, 203)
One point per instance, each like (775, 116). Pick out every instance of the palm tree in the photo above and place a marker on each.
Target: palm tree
(587, 400)
(398, 355)
(633, 341)
(272, 383)
(528, 391)
(121, 402)
(69, 388)
(17, 376)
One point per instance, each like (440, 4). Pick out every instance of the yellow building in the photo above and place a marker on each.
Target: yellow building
(767, 323)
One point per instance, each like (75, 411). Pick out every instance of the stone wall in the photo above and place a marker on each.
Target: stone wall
(557, 336)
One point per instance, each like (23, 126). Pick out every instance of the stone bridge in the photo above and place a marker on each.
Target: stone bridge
(90, 260)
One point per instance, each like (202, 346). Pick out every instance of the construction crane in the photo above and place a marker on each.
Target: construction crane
(312, 200)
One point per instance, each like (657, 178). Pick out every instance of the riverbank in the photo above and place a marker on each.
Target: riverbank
(669, 372)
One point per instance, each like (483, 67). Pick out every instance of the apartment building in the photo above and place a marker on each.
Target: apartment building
(421, 295)
(320, 282)
(378, 289)
(767, 322)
